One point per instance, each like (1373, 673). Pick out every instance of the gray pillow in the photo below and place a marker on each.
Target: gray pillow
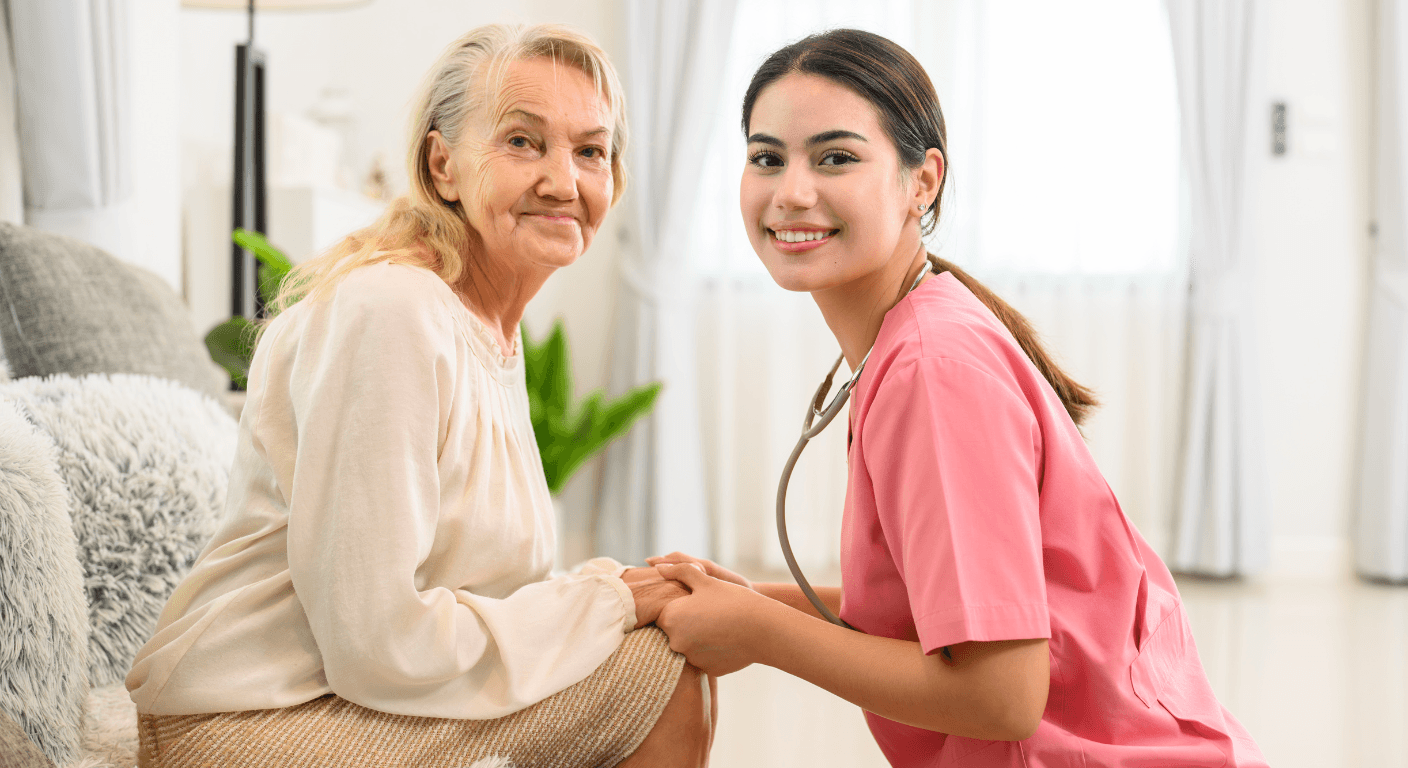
(44, 626)
(68, 307)
(147, 464)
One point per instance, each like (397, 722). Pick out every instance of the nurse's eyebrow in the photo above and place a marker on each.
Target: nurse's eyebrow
(820, 138)
(825, 136)
(763, 138)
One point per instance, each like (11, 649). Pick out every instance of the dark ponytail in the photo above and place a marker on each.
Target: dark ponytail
(1078, 399)
(892, 80)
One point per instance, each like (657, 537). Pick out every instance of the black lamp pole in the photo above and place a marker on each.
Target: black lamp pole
(248, 178)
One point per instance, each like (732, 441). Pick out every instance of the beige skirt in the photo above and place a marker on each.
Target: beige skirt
(597, 722)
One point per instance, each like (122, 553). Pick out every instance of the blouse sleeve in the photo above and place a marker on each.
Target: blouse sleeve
(954, 459)
(370, 388)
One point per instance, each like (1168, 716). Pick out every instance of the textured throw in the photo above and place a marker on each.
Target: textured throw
(16, 750)
(43, 618)
(67, 307)
(109, 730)
(146, 462)
(597, 722)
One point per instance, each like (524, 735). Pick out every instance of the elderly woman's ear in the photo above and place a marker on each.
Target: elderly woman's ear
(441, 170)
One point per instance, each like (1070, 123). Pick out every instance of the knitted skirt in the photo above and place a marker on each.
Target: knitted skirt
(599, 721)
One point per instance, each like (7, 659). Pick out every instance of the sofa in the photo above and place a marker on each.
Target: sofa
(116, 437)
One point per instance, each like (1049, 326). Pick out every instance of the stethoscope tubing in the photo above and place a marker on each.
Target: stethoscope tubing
(809, 431)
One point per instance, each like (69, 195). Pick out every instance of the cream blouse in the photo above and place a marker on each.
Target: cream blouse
(388, 531)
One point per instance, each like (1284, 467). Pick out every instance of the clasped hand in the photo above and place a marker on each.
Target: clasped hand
(710, 613)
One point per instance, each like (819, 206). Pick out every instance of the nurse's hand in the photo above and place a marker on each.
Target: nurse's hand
(710, 567)
(713, 625)
(651, 592)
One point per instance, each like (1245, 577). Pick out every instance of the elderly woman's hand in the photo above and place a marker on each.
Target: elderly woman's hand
(708, 566)
(651, 592)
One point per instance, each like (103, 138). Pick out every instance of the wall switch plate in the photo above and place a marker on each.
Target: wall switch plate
(1278, 128)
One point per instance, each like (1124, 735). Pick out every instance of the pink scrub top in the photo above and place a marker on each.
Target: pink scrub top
(974, 511)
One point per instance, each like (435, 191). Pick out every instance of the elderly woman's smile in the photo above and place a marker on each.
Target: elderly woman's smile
(534, 175)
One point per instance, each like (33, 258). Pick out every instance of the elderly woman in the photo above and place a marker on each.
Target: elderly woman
(378, 592)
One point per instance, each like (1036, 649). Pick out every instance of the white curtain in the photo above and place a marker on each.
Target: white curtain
(1220, 512)
(72, 84)
(1381, 523)
(11, 189)
(652, 495)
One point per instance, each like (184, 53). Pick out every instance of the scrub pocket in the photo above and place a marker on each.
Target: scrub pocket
(1167, 674)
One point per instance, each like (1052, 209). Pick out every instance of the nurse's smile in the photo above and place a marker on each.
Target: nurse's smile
(790, 239)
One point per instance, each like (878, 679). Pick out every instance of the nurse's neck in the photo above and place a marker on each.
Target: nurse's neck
(855, 311)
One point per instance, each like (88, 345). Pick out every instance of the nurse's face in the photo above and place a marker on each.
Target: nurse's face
(824, 198)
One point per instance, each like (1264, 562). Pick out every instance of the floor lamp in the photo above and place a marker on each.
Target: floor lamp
(247, 182)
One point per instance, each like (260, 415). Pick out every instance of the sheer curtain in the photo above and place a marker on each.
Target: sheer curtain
(1220, 513)
(1381, 524)
(652, 499)
(73, 86)
(1063, 196)
(11, 184)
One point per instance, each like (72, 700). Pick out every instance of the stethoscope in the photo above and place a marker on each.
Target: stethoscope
(810, 430)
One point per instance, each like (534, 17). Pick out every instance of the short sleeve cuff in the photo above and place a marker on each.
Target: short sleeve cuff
(983, 623)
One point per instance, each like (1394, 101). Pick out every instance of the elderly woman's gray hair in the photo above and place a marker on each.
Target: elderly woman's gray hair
(464, 83)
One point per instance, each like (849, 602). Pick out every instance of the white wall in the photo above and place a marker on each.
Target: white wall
(1312, 221)
(156, 163)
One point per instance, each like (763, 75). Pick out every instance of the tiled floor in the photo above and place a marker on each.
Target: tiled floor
(1315, 668)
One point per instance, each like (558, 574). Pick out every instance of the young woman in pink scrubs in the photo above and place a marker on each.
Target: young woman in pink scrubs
(1009, 614)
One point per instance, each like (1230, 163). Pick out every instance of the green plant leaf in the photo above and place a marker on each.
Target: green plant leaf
(548, 377)
(533, 370)
(267, 254)
(274, 266)
(555, 384)
(231, 344)
(568, 436)
(568, 449)
(596, 426)
(619, 414)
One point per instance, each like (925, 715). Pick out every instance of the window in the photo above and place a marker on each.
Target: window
(1063, 126)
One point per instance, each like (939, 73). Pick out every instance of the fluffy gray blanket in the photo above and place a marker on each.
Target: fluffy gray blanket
(146, 462)
(43, 618)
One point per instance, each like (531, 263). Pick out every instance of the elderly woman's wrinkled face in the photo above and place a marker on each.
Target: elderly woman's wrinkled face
(533, 173)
